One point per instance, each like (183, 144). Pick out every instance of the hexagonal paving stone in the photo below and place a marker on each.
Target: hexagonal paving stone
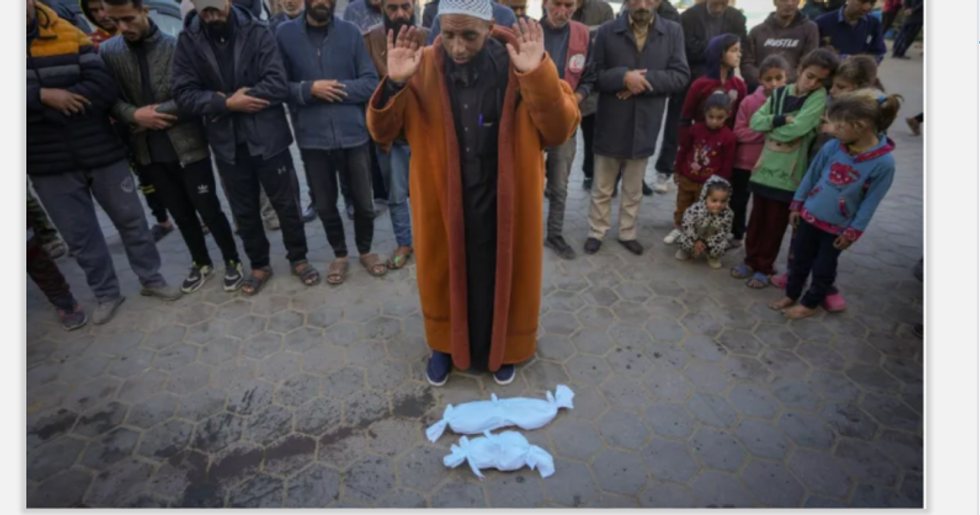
(720, 490)
(100, 420)
(784, 363)
(90, 367)
(269, 425)
(207, 331)
(873, 378)
(260, 491)
(194, 314)
(633, 292)
(250, 397)
(891, 412)
(166, 439)
(623, 429)
(905, 370)
(52, 458)
(806, 430)
(386, 375)
(635, 313)
(269, 304)
(591, 341)
(795, 394)
(262, 345)
(820, 472)
(61, 491)
(555, 347)
(220, 350)
(619, 472)
(762, 439)
(188, 379)
(544, 376)
(323, 359)
(860, 351)
(246, 326)
(344, 382)
(740, 342)
(669, 461)
(280, 366)
(819, 355)
(577, 439)
(667, 495)
(365, 407)
(459, 494)
(392, 437)
(701, 323)
(232, 375)
(100, 391)
(772, 484)
(596, 317)
(667, 356)
(369, 479)
(285, 321)
(629, 336)
(904, 448)
(777, 336)
(564, 301)
(560, 323)
(120, 344)
(629, 362)
(712, 410)
(318, 415)
(108, 449)
(865, 463)
(304, 339)
(707, 377)
(234, 309)
(297, 390)
(365, 354)
(833, 385)
(49, 426)
(421, 467)
(665, 329)
(195, 406)
(849, 421)
(754, 401)
(135, 362)
(669, 419)
(382, 328)
(289, 455)
(315, 487)
(218, 432)
(119, 484)
(520, 489)
(412, 400)
(874, 496)
(668, 385)
(344, 334)
(718, 449)
(625, 393)
(587, 369)
(142, 386)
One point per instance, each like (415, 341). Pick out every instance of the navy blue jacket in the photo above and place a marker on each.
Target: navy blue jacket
(59, 56)
(863, 38)
(502, 16)
(343, 57)
(197, 79)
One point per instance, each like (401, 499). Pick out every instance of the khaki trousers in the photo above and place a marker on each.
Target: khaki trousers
(600, 210)
(688, 192)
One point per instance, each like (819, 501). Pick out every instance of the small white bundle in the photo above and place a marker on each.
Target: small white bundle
(476, 417)
(506, 452)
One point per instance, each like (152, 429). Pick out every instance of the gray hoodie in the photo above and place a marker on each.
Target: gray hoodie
(792, 42)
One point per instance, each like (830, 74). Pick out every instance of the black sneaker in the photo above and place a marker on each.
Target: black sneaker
(592, 245)
(196, 278)
(587, 184)
(505, 375)
(159, 231)
(234, 277)
(310, 213)
(437, 372)
(647, 190)
(560, 246)
(70, 315)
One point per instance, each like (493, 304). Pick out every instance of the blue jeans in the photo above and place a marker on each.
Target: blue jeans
(68, 198)
(394, 166)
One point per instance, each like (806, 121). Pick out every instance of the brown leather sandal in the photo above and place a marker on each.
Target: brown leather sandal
(372, 263)
(337, 272)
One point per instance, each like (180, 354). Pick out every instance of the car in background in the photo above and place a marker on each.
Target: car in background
(165, 13)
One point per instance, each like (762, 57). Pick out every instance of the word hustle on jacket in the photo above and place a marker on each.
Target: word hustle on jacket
(781, 43)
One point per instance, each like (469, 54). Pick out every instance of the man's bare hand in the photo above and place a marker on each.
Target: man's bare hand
(329, 90)
(530, 38)
(404, 54)
(636, 82)
(842, 243)
(147, 117)
(243, 103)
(64, 101)
(624, 95)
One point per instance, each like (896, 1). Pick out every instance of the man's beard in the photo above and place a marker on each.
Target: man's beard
(641, 15)
(217, 26)
(320, 13)
(396, 26)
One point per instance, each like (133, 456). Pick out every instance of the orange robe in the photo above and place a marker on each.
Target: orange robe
(539, 111)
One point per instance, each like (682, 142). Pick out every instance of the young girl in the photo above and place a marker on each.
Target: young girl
(709, 149)
(789, 119)
(854, 73)
(707, 224)
(773, 73)
(839, 195)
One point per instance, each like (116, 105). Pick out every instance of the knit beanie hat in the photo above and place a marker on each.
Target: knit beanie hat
(480, 9)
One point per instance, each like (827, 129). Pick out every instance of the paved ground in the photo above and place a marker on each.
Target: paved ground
(688, 390)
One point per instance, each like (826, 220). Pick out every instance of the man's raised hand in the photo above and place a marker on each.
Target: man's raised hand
(530, 37)
(404, 54)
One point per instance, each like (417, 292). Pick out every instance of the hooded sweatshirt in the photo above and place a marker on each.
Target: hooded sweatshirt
(700, 223)
(842, 189)
(750, 143)
(793, 42)
(101, 33)
(692, 111)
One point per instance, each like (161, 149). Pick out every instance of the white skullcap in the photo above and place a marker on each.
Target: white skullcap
(480, 9)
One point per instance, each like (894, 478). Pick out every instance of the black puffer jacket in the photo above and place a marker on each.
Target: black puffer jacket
(60, 56)
(197, 80)
(187, 136)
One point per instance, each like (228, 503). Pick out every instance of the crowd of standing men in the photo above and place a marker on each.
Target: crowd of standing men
(237, 91)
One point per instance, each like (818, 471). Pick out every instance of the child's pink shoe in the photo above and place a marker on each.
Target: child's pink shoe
(834, 303)
(779, 281)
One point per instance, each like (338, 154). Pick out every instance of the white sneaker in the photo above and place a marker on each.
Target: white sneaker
(714, 262)
(662, 185)
(682, 255)
(672, 237)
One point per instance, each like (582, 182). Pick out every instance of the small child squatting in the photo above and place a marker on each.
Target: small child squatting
(839, 195)
(707, 224)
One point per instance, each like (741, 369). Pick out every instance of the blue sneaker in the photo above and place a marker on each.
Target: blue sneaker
(440, 364)
(505, 375)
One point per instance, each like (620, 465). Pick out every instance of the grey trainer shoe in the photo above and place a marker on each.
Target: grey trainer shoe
(164, 292)
(106, 310)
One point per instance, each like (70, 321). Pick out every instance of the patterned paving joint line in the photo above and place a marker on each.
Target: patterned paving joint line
(476, 417)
